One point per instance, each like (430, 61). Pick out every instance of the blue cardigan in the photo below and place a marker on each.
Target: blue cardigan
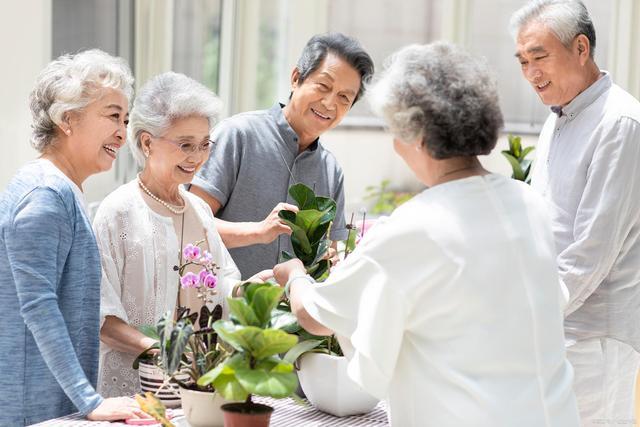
(49, 300)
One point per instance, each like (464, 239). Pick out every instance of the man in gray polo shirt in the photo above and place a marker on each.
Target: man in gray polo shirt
(258, 155)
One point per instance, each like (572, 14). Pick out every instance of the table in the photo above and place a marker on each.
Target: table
(287, 413)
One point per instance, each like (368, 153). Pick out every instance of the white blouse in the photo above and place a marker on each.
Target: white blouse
(453, 308)
(139, 249)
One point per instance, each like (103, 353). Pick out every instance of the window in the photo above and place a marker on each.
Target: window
(383, 29)
(196, 40)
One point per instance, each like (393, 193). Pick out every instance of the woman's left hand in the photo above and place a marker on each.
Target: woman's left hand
(261, 276)
(282, 272)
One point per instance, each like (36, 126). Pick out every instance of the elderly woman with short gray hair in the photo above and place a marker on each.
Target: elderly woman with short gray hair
(451, 308)
(49, 261)
(142, 226)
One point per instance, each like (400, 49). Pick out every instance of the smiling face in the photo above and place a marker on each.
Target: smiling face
(166, 162)
(557, 73)
(98, 131)
(321, 101)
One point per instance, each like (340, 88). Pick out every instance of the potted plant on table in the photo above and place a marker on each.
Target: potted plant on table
(322, 367)
(254, 366)
(184, 353)
(517, 157)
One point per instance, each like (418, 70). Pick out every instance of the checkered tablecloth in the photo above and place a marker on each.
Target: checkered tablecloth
(287, 413)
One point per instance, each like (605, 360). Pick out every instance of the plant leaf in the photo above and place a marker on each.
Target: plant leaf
(285, 320)
(173, 347)
(264, 301)
(325, 203)
(241, 312)
(260, 343)
(515, 146)
(223, 378)
(278, 382)
(301, 348)
(518, 173)
(321, 250)
(526, 151)
(149, 330)
(298, 235)
(285, 256)
(144, 355)
(303, 196)
(318, 270)
(154, 407)
(350, 243)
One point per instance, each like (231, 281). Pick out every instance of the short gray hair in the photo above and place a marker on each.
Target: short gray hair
(441, 94)
(567, 19)
(164, 99)
(345, 47)
(70, 83)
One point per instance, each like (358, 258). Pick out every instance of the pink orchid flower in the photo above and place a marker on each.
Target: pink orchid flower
(190, 280)
(191, 252)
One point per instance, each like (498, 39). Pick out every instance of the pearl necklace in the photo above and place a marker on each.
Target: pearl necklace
(173, 208)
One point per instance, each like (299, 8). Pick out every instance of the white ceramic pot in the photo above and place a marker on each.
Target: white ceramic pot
(202, 409)
(152, 377)
(326, 384)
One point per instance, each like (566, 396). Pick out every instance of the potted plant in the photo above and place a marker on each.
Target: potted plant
(516, 155)
(309, 226)
(322, 367)
(254, 366)
(185, 353)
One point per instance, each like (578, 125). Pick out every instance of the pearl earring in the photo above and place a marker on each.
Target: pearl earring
(68, 131)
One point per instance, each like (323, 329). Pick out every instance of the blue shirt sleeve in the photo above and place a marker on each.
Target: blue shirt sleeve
(38, 243)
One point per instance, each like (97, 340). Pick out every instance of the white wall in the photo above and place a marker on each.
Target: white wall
(25, 35)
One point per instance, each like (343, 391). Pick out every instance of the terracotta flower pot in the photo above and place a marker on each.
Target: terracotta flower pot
(202, 409)
(246, 415)
(327, 386)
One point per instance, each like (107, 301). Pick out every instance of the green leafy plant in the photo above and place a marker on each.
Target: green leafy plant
(182, 349)
(254, 366)
(516, 155)
(310, 226)
(385, 200)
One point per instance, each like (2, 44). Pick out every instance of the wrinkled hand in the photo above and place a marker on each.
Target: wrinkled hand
(261, 276)
(272, 226)
(116, 408)
(282, 272)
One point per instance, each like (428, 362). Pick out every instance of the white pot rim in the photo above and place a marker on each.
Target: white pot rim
(326, 355)
(197, 391)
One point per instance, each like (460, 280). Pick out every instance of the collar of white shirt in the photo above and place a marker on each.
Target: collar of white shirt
(585, 98)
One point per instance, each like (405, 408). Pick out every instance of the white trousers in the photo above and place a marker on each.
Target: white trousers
(604, 383)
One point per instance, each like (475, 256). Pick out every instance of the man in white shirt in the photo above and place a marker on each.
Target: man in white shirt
(586, 169)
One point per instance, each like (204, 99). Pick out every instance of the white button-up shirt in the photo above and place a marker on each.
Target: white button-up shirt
(587, 169)
(454, 312)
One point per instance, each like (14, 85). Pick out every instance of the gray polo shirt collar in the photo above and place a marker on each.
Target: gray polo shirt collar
(287, 133)
(585, 98)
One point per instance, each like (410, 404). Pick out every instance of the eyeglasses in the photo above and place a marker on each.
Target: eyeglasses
(190, 147)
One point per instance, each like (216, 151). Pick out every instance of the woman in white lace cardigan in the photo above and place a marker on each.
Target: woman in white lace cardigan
(143, 225)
